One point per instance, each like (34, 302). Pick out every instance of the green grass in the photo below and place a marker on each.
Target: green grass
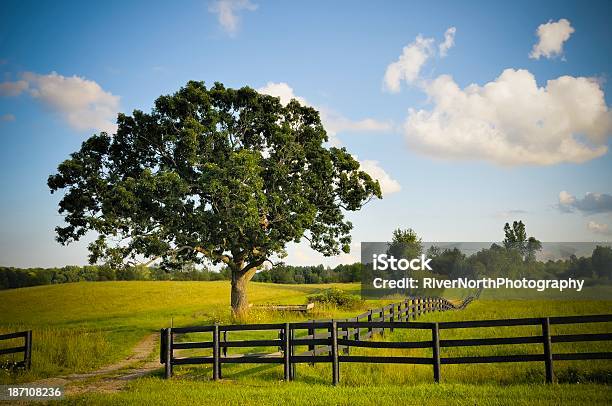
(79, 327)
(152, 391)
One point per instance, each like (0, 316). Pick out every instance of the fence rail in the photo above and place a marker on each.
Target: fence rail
(334, 345)
(26, 348)
(318, 336)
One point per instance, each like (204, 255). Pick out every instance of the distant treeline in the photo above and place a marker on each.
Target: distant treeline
(11, 278)
(310, 274)
(496, 261)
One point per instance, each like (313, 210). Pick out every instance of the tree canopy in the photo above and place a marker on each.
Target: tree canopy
(516, 239)
(230, 176)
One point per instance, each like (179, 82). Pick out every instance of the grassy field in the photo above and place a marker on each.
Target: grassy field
(79, 327)
(151, 391)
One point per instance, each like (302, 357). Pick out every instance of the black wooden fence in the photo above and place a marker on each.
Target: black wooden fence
(343, 335)
(319, 334)
(26, 348)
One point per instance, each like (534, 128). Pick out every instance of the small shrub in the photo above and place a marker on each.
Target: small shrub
(336, 297)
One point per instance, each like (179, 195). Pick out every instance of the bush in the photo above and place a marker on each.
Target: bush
(336, 297)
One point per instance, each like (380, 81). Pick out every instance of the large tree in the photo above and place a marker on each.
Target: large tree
(211, 174)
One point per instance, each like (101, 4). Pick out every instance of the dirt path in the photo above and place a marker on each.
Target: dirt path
(114, 377)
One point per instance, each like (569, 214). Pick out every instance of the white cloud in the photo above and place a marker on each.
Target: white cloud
(388, 185)
(7, 117)
(512, 121)
(551, 38)
(227, 10)
(599, 228)
(565, 198)
(283, 91)
(333, 121)
(449, 41)
(409, 64)
(81, 102)
(414, 55)
(505, 214)
(301, 254)
(336, 123)
(591, 203)
(13, 88)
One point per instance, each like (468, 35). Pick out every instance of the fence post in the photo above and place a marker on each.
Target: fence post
(346, 337)
(286, 350)
(370, 330)
(435, 338)
(408, 312)
(291, 353)
(222, 350)
(216, 368)
(162, 346)
(168, 369)
(548, 361)
(392, 318)
(311, 332)
(334, 348)
(27, 354)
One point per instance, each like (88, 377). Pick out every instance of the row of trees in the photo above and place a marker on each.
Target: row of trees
(496, 261)
(11, 278)
(514, 258)
(310, 274)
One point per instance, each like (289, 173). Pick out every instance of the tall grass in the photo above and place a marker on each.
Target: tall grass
(57, 351)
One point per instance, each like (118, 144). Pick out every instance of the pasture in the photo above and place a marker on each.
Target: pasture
(83, 326)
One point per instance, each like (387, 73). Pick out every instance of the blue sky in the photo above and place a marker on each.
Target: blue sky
(465, 160)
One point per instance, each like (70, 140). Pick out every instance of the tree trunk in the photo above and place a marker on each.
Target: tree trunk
(239, 299)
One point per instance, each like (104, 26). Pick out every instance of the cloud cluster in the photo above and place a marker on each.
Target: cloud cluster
(551, 37)
(512, 120)
(505, 214)
(82, 103)
(388, 185)
(227, 13)
(333, 121)
(599, 228)
(414, 55)
(449, 41)
(10, 89)
(592, 203)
